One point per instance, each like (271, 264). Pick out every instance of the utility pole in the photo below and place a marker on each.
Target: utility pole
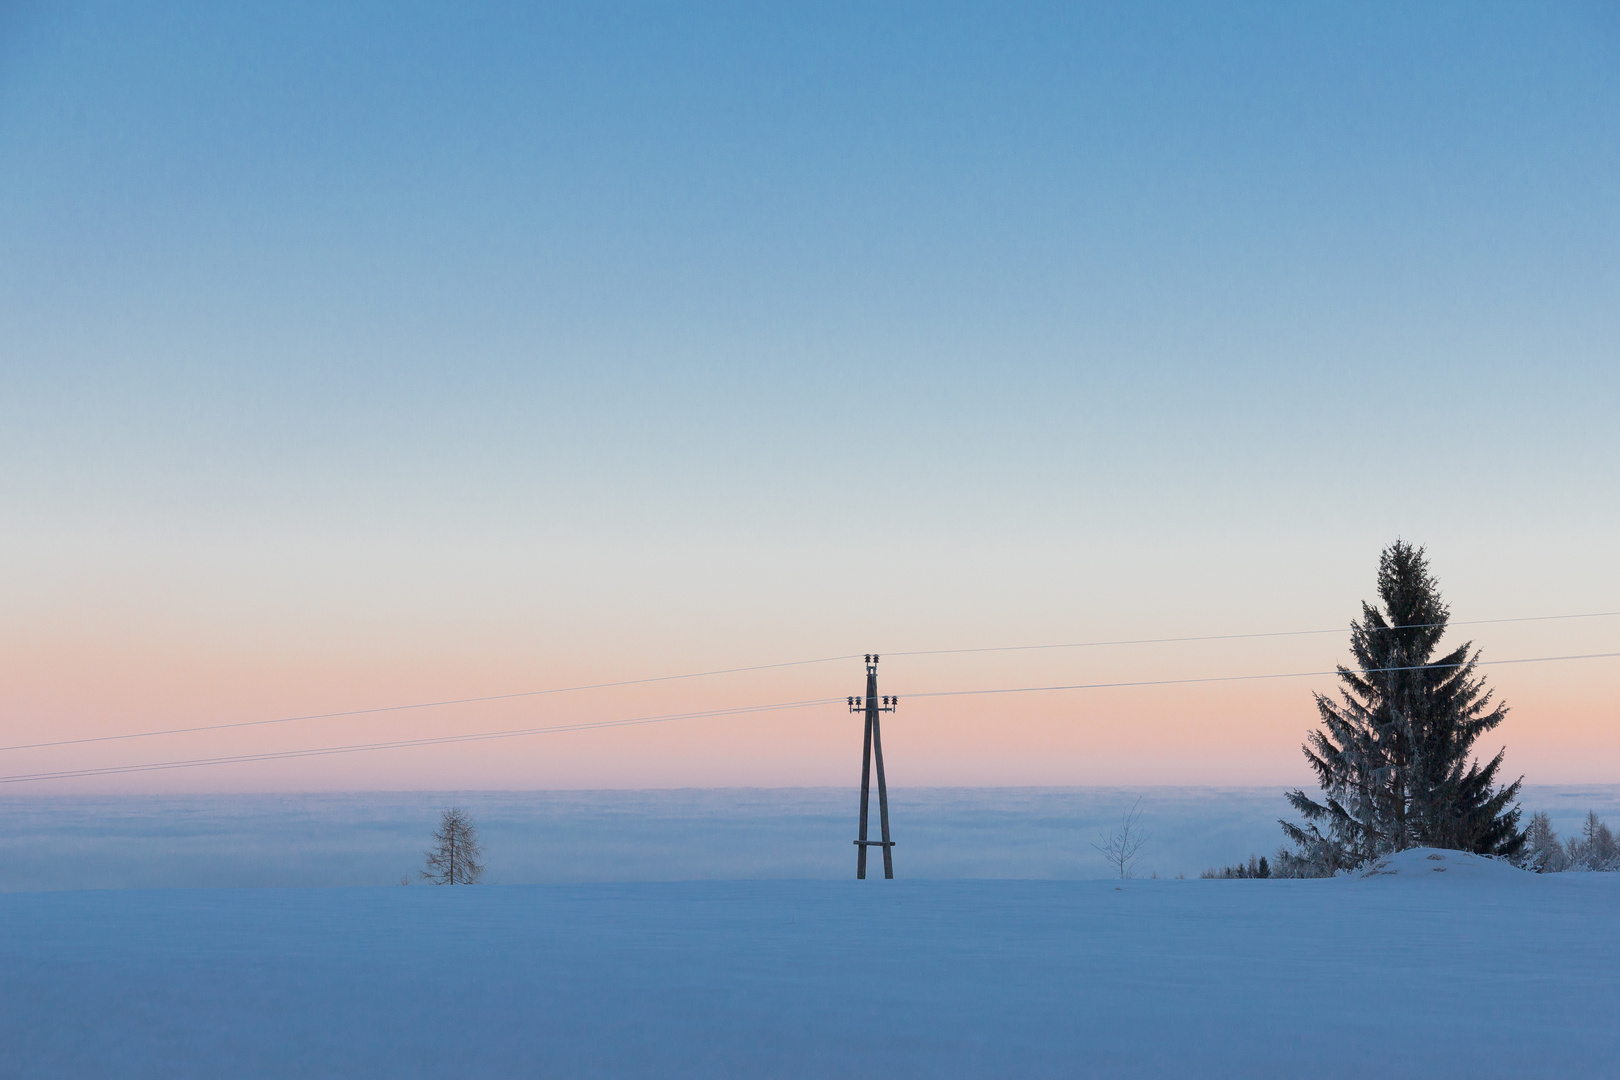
(874, 745)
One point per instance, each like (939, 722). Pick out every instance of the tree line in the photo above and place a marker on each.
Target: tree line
(1595, 848)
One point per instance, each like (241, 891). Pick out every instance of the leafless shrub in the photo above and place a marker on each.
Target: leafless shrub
(1122, 847)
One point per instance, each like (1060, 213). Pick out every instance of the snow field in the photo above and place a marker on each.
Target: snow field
(1479, 971)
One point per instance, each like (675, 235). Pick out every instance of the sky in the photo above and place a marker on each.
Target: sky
(378, 354)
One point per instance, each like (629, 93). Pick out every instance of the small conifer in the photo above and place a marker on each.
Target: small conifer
(453, 860)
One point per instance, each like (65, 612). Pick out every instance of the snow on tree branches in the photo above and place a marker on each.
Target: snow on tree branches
(1595, 849)
(1393, 753)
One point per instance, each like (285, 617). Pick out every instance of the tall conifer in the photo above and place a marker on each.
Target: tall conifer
(1393, 753)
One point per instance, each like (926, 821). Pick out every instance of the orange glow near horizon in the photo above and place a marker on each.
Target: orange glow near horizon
(1560, 727)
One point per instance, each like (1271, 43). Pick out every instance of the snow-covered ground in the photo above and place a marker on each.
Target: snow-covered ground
(1429, 966)
(1446, 967)
(374, 838)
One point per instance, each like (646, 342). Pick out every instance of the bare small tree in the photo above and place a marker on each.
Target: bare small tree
(1123, 846)
(453, 860)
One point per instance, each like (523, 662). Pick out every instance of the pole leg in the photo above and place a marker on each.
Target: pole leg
(883, 801)
(866, 784)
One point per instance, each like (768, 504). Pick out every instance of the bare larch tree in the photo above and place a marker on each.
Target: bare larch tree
(453, 860)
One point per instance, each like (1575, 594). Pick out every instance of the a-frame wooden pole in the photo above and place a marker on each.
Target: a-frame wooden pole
(873, 747)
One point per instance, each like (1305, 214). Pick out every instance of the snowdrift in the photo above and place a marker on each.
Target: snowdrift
(1438, 866)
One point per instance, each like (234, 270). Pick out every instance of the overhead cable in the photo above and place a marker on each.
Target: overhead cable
(757, 667)
(420, 705)
(740, 710)
(1241, 637)
(1251, 678)
(278, 755)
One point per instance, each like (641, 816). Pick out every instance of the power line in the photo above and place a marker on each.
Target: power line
(1240, 637)
(1251, 678)
(278, 755)
(764, 667)
(418, 705)
(740, 710)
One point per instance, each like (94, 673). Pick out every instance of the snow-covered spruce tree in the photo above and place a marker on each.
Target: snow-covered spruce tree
(1393, 753)
(453, 860)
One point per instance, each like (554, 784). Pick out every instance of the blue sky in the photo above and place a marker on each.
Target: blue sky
(684, 327)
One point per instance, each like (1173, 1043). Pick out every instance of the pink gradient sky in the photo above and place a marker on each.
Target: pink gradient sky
(162, 658)
(353, 357)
